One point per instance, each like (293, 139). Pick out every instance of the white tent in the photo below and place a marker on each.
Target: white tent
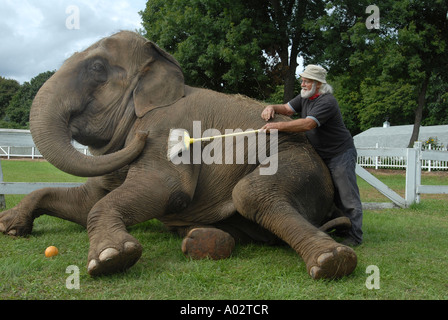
(20, 138)
(15, 138)
(399, 136)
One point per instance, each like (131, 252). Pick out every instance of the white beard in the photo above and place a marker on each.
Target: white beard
(308, 93)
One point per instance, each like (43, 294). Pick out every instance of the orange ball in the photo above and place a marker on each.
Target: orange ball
(51, 251)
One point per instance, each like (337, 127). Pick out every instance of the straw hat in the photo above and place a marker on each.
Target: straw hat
(315, 72)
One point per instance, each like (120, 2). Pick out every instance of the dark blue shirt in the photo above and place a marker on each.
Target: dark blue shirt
(331, 137)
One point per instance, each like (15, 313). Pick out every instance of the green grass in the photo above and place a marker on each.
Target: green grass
(409, 246)
(396, 180)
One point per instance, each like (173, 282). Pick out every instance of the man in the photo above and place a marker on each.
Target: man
(321, 120)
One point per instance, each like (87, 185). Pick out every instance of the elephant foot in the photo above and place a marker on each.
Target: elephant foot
(114, 259)
(15, 223)
(339, 262)
(210, 243)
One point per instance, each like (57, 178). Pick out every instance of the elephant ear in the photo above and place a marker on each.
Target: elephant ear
(161, 81)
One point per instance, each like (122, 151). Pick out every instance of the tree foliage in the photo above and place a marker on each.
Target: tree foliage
(392, 72)
(17, 112)
(397, 71)
(248, 46)
(215, 41)
(8, 88)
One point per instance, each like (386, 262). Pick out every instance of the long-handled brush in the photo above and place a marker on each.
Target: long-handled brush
(179, 140)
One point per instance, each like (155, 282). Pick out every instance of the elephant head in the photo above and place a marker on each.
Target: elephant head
(96, 97)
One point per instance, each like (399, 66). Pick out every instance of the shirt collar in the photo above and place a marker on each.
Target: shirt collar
(315, 96)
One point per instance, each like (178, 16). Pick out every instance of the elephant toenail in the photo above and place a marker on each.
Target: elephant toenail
(92, 265)
(342, 249)
(314, 272)
(323, 257)
(108, 254)
(130, 246)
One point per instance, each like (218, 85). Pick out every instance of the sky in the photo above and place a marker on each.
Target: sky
(39, 35)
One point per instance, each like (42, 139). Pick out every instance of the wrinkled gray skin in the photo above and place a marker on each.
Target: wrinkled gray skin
(121, 96)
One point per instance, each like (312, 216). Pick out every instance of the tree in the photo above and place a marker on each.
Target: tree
(424, 40)
(214, 41)
(251, 47)
(291, 32)
(237, 46)
(8, 88)
(18, 110)
(388, 70)
(436, 112)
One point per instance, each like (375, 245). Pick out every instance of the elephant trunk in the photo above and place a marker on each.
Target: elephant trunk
(49, 127)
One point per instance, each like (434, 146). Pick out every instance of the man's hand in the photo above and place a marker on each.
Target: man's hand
(271, 126)
(268, 113)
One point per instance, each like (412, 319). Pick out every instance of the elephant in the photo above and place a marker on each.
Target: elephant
(121, 97)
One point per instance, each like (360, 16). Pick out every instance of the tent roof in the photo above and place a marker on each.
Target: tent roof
(15, 138)
(20, 138)
(399, 136)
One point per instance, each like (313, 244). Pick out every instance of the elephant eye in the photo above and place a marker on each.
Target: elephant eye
(97, 67)
(98, 71)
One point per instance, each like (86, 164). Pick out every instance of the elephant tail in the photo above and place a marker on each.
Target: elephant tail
(340, 223)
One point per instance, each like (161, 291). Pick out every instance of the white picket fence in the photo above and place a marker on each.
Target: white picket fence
(9, 152)
(396, 160)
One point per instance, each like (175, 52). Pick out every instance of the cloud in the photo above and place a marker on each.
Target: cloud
(37, 36)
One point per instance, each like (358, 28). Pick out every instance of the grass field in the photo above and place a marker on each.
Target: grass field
(408, 247)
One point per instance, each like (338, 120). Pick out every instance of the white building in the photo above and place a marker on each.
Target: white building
(399, 136)
(20, 138)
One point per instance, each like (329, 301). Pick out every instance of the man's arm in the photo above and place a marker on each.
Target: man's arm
(270, 111)
(298, 125)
